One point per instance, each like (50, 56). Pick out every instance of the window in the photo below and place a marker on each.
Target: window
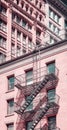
(13, 32)
(18, 36)
(18, 51)
(31, 11)
(51, 67)
(10, 106)
(10, 126)
(17, 2)
(40, 17)
(50, 13)
(3, 25)
(51, 95)
(13, 16)
(38, 44)
(38, 33)
(24, 23)
(57, 31)
(30, 107)
(11, 82)
(29, 43)
(40, 5)
(52, 123)
(22, 4)
(54, 16)
(2, 42)
(2, 58)
(58, 19)
(52, 40)
(24, 40)
(3, 10)
(28, 125)
(65, 24)
(13, 49)
(26, 8)
(51, 26)
(29, 27)
(54, 28)
(18, 20)
(24, 50)
(29, 77)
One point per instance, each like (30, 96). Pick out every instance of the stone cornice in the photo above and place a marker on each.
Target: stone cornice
(25, 13)
(59, 5)
(29, 55)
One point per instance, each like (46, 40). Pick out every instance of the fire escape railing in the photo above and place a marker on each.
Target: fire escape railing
(36, 91)
(39, 82)
(50, 104)
(44, 77)
(38, 76)
(46, 128)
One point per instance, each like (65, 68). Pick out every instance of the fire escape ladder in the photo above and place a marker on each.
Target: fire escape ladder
(41, 114)
(36, 91)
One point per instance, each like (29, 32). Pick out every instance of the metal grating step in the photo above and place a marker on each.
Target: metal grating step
(36, 91)
(41, 114)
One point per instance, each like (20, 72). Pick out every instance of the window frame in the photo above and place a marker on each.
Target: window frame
(54, 15)
(11, 76)
(52, 122)
(27, 78)
(28, 123)
(50, 63)
(8, 125)
(30, 107)
(10, 110)
(51, 92)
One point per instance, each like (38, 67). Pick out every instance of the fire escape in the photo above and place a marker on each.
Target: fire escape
(42, 80)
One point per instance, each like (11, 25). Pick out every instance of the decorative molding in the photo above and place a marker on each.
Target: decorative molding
(58, 4)
(10, 7)
(43, 50)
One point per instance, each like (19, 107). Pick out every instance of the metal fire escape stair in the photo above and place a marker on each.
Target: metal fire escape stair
(41, 114)
(36, 91)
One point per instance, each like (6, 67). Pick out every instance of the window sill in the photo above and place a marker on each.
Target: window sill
(11, 90)
(55, 21)
(8, 115)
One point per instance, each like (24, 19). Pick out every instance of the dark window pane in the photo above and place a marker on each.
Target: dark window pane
(10, 127)
(51, 68)
(29, 77)
(51, 95)
(30, 107)
(11, 82)
(10, 105)
(28, 125)
(51, 123)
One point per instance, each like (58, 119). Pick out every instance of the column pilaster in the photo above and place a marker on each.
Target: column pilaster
(9, 29)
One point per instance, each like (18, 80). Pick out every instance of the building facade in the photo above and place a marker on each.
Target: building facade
(22, 82)
(33, 60)
(22, 27)
(26, 24)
